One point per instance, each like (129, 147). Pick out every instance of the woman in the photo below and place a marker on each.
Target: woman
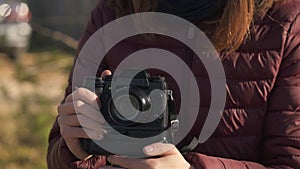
(259, 43)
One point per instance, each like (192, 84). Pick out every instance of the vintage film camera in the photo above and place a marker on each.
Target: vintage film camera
(139, 119)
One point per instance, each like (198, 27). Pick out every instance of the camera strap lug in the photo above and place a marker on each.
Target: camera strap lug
(171, 105)
(175, 125)
(173, 116)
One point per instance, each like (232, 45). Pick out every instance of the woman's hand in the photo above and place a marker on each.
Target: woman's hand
(168, 158)
(79, 117)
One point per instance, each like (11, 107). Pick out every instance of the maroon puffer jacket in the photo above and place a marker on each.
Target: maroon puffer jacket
(260, 127)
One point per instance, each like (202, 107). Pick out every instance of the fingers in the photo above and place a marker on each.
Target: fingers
(133, 163)
(88, 118)
(73, 145)
(85, 96)
(71, 108)
(88, 96)
(106, 73)
(68, 133)
(71, 136)
(79, 117)
(160, 149)
(82, 121)
(167, 156)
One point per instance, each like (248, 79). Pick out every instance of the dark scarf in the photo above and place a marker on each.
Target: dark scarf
(192, 9)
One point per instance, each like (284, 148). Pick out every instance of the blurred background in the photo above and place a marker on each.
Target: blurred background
(37, 45)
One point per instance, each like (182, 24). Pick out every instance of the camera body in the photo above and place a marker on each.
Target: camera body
(134, 111)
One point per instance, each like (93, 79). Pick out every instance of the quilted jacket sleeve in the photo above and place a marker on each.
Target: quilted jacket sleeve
(281, 148)
(282, 128)
(59, 156)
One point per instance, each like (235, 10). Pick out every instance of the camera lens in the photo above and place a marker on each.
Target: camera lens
(127, 109)
(124, 109)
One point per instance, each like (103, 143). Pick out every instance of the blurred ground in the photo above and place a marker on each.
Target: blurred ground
(31, 87)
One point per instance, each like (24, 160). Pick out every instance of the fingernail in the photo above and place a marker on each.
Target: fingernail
(88, 157)
(148, 149)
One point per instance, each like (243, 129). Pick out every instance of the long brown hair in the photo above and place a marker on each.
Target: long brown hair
(232, 26)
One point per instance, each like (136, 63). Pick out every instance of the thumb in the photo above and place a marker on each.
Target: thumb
(106, 73)
(160, 149)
